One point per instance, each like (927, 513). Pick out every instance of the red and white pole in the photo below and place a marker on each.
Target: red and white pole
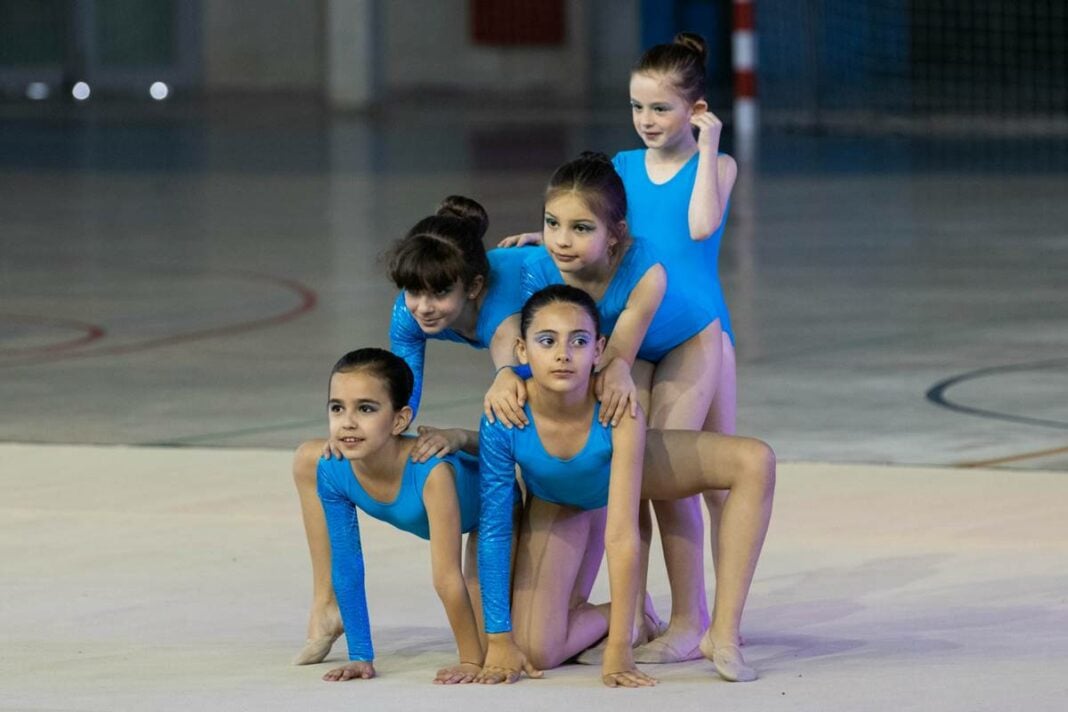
(744, 61)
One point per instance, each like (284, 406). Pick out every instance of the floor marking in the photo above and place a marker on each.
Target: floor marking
(308, 300)
(937, 393)
(1013, 458)
(90, 333)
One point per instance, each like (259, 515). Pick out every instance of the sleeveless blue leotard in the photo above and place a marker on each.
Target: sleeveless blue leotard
(580, 481)
(678, 318)
(504, 297)
(660, 213)
(342, 494)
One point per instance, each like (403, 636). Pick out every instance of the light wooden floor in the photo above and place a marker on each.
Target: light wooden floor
(176, 579)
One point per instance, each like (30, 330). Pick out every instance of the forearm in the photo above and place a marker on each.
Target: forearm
(347, 571)
(461, 614)
(622, 555)
(706, 207)
(467, 440)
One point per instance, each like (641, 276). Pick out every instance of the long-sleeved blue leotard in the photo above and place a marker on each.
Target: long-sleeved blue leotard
(681, 314)
(580, 481)
(342, 494)
(660, 213)
(504, 297)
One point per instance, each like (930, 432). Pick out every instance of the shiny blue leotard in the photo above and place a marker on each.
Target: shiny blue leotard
(679, 317)
(342, 494)
(660, 213)
(580, 481)
(503, 298)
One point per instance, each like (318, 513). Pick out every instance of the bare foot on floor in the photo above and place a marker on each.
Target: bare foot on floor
(675, 645)
(727, 658)
(324, 627)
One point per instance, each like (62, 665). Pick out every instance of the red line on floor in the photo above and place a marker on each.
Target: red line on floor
(308, 301)
(91, 332)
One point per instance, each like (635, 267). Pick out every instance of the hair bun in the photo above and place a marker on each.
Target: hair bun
(466, 209)
(693, 42)
(595, 156)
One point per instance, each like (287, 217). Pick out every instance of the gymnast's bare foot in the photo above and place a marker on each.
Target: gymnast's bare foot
(676, 645)
(726, 657)
(324, 627)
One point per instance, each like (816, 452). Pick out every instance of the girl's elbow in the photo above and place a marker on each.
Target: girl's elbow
(448, 585)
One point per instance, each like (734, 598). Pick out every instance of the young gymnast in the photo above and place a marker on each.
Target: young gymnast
(451, 290)
(678, 195)
(670, 345)
(437, 499)
(573, 467)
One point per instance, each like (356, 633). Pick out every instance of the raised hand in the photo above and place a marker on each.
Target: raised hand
(709, 128)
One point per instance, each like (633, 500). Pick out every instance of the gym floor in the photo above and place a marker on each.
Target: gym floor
(181, 279)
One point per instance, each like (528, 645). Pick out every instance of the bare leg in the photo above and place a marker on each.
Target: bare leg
(721, 419)
(557, 557)
(324, 621)
(679, 463)
(683, 389)
(647, 622)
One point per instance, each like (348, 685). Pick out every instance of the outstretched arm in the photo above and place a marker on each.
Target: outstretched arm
(443, 513)
(614, 385)
(504, 662)
(622, 543)
(348, 578)
(715, 178)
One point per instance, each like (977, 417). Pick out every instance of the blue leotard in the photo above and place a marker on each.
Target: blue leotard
(679, 317)
(660, 213)
(342, 494)
(503, 298)
(580, 481)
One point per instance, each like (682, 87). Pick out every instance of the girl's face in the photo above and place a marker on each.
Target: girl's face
(574, 236)
(362, 418)
(436, 311)
(661, 116)
(561, 347)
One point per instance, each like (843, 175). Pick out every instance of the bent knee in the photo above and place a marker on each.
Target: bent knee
(544, 657)
(541, 648)
(760, 464)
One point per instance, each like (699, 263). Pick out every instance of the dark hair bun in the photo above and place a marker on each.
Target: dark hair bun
(595, 156)
(466, 209)
(693, 42)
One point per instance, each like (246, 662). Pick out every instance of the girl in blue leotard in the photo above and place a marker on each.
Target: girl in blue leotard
(678, 194)
(662, 334)
(585, 480)
(436, 499)
(451, 290)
